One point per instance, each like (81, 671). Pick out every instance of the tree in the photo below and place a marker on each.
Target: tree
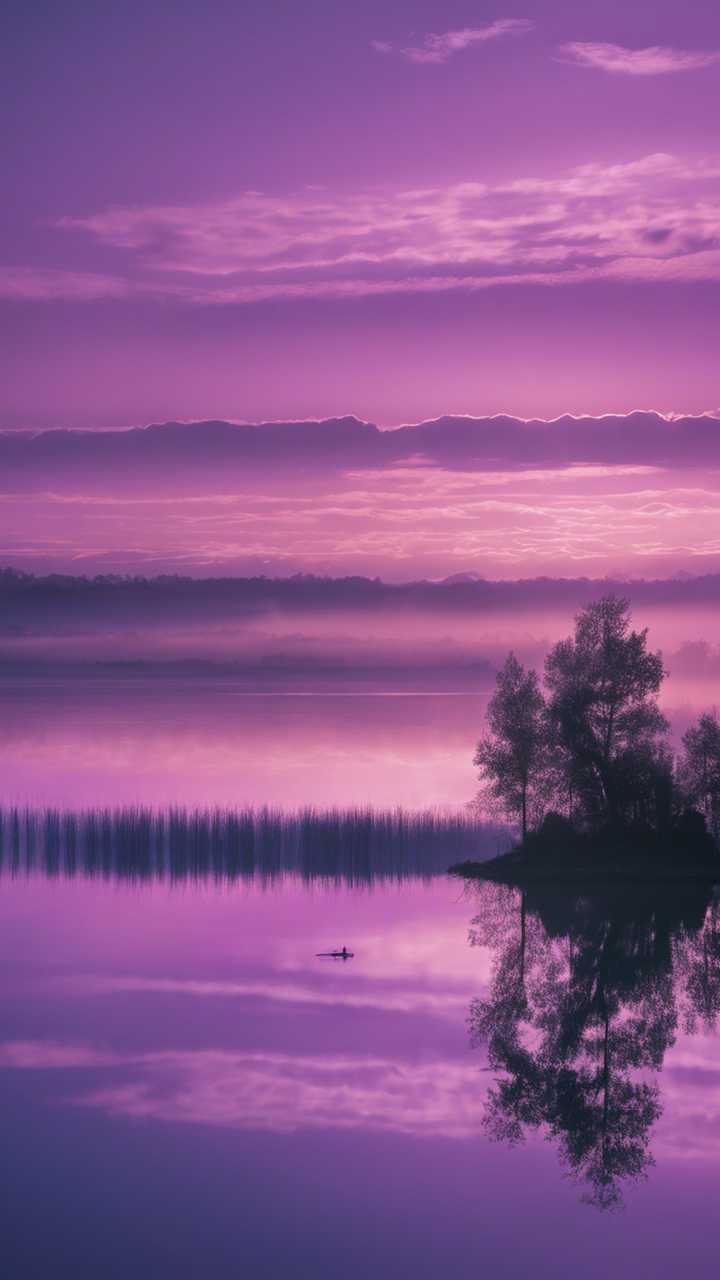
(513, 756)
(602, 685)
(699, 768)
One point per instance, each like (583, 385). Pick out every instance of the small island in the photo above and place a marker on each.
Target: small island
(582, 768)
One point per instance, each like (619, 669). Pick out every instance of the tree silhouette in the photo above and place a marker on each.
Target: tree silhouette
(699, 768)
(513, 757)
(602, 686)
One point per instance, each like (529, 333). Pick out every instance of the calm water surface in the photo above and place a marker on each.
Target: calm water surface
(188, 1090)
(206, 742)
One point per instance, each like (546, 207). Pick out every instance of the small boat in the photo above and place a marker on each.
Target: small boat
(336, 955)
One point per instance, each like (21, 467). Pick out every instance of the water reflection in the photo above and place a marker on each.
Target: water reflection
(587, 993)
(269, 1092)
(176, 1047)
(215, 742)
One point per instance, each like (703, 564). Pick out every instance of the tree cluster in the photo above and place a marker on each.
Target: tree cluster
(592, 743)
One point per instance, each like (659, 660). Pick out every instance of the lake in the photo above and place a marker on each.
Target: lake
(489, 1084)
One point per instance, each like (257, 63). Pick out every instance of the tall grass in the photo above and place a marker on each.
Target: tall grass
(355, 846)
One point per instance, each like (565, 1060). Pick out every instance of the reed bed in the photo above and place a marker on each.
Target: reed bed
(355, 846)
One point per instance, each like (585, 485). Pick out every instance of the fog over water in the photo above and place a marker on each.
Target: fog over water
(357, 706)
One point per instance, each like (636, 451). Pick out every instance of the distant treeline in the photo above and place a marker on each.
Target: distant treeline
(354, 846)
(41, 602)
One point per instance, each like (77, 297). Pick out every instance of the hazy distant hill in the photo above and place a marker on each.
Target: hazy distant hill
(31, 601)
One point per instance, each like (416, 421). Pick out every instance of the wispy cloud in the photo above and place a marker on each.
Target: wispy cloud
(408, 521)
(656, 60)
(35, 284)
(441, 47)
(655, 219)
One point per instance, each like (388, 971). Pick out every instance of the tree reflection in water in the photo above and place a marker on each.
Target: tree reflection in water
(587, 992)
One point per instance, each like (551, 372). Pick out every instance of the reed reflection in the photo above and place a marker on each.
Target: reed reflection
(587, 993)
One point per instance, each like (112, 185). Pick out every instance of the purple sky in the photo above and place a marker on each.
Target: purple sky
(397, 209)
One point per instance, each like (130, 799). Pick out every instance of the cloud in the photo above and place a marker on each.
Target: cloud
(440, 48)
(656, 60)
(654, 219)
(50, 1055)
(503, 497)
(40, 284)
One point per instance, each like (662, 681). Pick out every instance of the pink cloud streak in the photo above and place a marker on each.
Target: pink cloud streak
(652, 61)
(423, 521)
(440, 48)
(653, 219)
(40, 284)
